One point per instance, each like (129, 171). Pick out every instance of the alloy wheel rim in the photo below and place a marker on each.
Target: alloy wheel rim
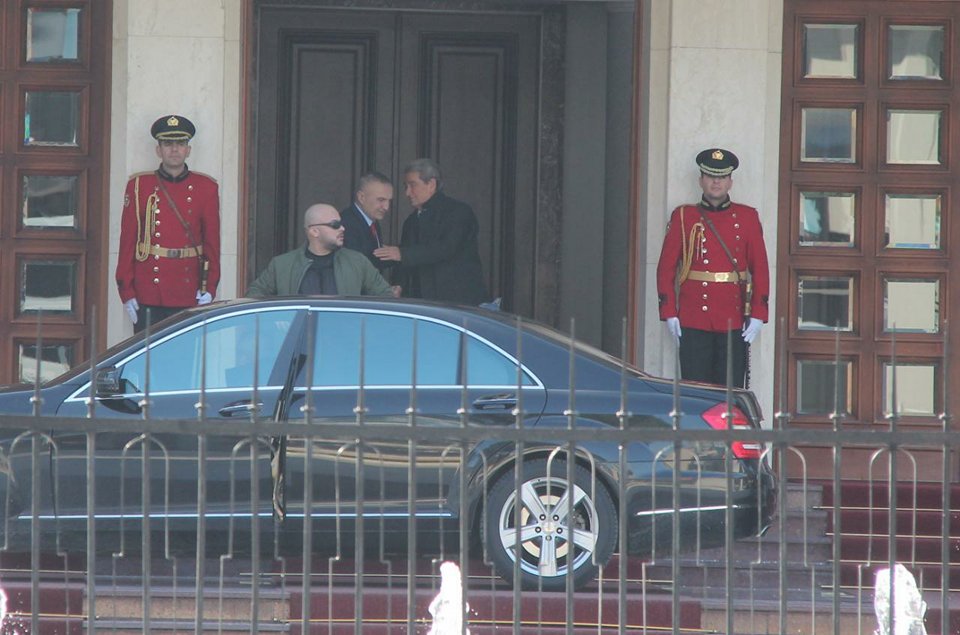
(545, 541)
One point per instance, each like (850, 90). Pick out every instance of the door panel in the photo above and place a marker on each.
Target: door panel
(867, 197)
(475, 114)
(386, 340)
(54, 150)
(175, 367)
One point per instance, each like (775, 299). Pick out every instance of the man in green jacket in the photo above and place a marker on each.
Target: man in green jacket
(323, 266)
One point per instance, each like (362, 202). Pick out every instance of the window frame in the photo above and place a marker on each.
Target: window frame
(301, 384)
(871, 178)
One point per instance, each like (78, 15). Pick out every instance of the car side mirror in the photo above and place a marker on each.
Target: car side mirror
(108, 382)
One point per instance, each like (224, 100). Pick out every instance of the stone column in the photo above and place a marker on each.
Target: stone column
(176, 57)
(713, 79)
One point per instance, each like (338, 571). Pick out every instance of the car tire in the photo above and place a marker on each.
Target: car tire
(543, 548)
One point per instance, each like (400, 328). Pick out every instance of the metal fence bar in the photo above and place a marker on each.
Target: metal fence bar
(519, 453)
(394, 432)
(676, 416)
(411, 478)
(201, 551)
(781, 421)
(946, 498)
(35, 492)
(91, 452)
(571, 415)
(622, 415)
(308, 411)
(892, 473)
(836, 417)
(728, 482)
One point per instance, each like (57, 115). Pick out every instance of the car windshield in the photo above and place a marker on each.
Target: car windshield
(85, 364)
(111, 352)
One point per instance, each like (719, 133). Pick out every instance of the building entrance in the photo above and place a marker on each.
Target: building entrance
(342, 92)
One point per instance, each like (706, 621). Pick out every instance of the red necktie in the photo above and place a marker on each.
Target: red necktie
(373, 232)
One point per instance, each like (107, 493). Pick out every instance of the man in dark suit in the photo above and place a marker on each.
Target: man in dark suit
(362, 218)
(438, 256)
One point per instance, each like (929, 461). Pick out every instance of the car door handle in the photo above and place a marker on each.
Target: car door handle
(245, 407)
(496, 402)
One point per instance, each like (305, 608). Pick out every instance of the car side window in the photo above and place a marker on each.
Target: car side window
(388, 353)
(175, 364)
(488, 367)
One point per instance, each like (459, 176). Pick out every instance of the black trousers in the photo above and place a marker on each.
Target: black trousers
(157, 313)
(703, 356)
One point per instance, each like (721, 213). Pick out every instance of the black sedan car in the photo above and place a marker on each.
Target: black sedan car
(362, 362)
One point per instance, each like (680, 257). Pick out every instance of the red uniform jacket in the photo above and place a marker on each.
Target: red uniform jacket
(711, 306)
(161, 280)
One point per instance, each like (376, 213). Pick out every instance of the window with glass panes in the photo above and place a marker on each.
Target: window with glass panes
(869, 173)
(54, 111)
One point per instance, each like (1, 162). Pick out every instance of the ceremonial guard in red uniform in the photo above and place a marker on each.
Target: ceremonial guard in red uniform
(713, 277)
(169, 256)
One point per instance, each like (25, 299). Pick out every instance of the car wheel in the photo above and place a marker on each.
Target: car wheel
(545, 548)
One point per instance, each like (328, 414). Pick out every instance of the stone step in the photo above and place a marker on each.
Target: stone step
(801, 546)
(134, 627)
(814, 614)
(803, 496)
(126, 603)
(707, 578)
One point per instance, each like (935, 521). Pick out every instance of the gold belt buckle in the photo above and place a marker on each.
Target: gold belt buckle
(722, 276)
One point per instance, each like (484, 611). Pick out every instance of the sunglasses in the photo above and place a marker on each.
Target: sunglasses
(334, 224)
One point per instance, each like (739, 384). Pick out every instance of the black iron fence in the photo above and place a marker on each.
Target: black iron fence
(262, 523)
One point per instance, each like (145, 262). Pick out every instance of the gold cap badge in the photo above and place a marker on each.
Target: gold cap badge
(172, 128)
(716, 154)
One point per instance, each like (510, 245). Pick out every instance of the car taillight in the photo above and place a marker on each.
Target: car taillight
(717, 418)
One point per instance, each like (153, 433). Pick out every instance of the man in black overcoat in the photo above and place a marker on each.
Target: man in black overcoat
(438, 256)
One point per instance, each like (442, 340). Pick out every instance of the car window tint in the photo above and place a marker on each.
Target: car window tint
(488, 367)
(388, 353)
(175, 363)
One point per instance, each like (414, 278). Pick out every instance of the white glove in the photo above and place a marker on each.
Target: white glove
(673, 325)
(204, 298)
(131, 306)
(751, 329)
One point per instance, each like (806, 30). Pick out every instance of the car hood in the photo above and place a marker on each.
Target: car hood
(17, 399)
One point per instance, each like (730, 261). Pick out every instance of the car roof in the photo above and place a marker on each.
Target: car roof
(468, 316)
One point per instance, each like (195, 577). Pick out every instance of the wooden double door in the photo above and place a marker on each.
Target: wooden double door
(344, 91)
(868, 239)
(54, 213)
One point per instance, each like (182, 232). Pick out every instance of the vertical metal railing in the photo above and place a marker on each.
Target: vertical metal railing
(797, 570)
(836, 418)
(946, 478)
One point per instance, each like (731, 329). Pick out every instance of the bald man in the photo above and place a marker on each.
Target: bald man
(322, 266)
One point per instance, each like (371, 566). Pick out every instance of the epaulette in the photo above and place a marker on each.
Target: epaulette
(136, 174)
(203, 174)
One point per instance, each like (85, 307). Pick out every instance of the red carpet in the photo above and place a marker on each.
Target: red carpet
(865, 522)
(490, 608)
